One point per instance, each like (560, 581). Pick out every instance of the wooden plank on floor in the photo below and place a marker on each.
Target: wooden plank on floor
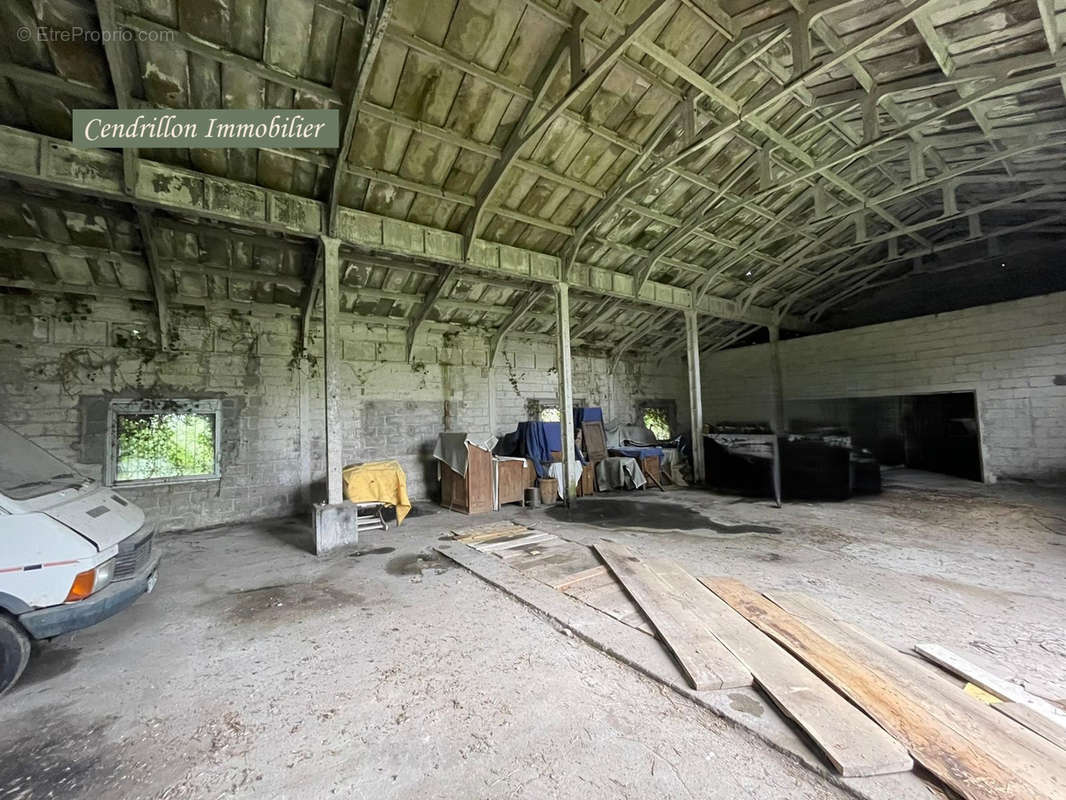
(852, 742)
(888, 692)
(704, 660)
(507, 544)
(1035, 722)
(492, 530)
(574, 578)
(488, 527)
(994, 732)
(611, 599)
(562, 563)
(527, 554)
(1000, 687)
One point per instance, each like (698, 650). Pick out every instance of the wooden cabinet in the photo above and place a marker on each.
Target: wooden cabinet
(472, 493)
(512, 478)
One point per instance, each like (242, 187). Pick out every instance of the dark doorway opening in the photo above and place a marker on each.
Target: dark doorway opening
(940, 434)
(934, 432)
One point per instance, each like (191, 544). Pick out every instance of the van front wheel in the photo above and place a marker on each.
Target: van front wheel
(14, 652)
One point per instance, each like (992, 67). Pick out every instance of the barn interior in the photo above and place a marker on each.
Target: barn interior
(630, 374)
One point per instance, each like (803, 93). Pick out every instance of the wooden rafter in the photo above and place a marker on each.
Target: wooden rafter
(423, 313)
(516, 315)
(635, 335)
(151, 259)
(715, 131)
(378, 16)
(528, 128)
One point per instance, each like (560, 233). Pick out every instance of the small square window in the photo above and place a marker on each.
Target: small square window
(549, 414)
(657, 421)
(163, 441)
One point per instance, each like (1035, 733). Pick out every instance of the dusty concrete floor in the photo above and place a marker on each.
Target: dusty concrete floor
(257, 670)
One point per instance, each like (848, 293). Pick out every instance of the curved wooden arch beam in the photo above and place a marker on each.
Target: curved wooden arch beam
(715, 131)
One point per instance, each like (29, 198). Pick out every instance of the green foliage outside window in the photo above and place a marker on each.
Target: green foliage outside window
(549, 414)
(655, 421)
(165, 446)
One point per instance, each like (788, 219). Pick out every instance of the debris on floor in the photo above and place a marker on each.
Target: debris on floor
(869, 709)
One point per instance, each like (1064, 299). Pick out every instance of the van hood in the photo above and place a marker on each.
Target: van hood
(101, 516)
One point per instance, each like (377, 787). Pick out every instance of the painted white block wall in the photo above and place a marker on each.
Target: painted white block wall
(60, 354)
(1012, 355)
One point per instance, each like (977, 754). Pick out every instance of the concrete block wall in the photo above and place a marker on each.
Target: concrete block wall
(1012, 355)
(64, 356)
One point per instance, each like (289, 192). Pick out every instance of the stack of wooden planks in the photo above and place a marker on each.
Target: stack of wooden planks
(869, 708)
(978, 753)
(717, 648)
(570, 567)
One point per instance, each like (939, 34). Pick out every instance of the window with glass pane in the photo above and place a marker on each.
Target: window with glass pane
(160, 442)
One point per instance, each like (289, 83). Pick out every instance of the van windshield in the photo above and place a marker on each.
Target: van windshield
(27, 470)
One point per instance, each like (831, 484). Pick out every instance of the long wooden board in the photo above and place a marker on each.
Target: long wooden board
(574, 578)
(1037, 723)
(934, 731)
(705, 661)
(491, 530)
(933, 743)
(1000, 687)
(852, 742)
(1027, 752)
(507, 544)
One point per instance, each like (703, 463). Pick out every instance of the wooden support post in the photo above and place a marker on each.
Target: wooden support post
(917, 162)
(766, 170)
(821, 202)
(566, 388)
(695, 393)
(801, 45)
(871, 122)
(577, 61)
(951, 205)
(331, 295)
(778, 420)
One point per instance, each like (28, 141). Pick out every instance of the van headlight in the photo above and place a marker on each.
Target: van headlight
(90, 581)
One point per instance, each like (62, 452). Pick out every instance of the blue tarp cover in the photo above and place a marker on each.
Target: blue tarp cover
(590, 414)
(535, 441)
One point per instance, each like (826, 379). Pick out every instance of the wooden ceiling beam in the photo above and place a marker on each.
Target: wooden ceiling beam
(181, 192)
(712, 133)
(379, 13)
(530, 127)
(56, 84)
(213, 52)
(423, 313)
(516, 315)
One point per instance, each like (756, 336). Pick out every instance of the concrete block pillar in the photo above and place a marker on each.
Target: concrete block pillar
(331, 367)
(566, 387)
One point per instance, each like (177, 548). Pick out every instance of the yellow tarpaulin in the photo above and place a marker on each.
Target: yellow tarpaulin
(378, 482)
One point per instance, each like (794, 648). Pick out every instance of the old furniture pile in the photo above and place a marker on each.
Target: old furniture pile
(480, 476)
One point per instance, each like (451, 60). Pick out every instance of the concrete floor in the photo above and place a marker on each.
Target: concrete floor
(257, 670)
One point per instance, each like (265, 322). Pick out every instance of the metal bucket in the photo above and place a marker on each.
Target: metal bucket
(532, 496)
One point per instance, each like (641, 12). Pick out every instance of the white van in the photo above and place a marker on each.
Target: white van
(72, 552)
